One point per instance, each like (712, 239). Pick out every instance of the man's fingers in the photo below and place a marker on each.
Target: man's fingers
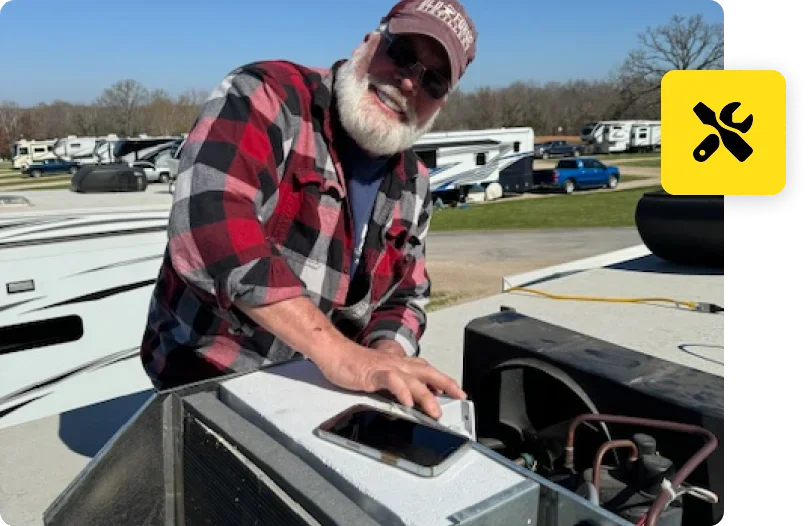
(437, 380)
(393, 381)
(422, 396)
(417, 359)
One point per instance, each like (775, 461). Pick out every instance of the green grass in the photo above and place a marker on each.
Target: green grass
(603, 209)
(628, 178)
(28, 181)
(439, 300)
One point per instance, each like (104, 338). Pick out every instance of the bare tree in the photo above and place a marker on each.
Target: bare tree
(88, 121)
(160, 114)
(683, 44)
(122, 102)
(10, 125)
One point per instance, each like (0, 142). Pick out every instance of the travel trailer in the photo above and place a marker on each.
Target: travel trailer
(82, 150)
(115, 149)
(499, 160)
(622, 136)
(24, 153)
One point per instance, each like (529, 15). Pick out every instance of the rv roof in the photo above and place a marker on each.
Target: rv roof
(419, 147)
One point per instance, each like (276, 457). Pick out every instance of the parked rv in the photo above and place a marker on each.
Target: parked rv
(25, 153)
(82, 150)
(128, 164)
(622, 136)
(499, 160)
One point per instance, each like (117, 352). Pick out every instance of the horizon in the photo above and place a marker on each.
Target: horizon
(185, 46)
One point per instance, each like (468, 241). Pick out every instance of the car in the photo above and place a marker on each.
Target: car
(548, 149)
(114, 177)
(154, 172)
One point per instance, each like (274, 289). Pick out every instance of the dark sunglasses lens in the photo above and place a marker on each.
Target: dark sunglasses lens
(402, 53)
(435, 85)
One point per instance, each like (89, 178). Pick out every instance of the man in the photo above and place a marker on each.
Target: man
(300, 216)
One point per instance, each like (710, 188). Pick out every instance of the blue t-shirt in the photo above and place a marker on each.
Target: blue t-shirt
(364, 175)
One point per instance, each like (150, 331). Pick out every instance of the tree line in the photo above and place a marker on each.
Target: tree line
(631, 91)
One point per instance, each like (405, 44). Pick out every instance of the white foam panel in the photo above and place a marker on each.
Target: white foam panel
(290, 400)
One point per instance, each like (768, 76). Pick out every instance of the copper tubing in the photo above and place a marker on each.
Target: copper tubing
(604, 448)
(661, 500)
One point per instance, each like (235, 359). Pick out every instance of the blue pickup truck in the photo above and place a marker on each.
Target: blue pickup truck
(51, 166)
(577, 174)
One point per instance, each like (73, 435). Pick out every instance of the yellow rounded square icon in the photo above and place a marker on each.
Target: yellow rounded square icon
(723, 132)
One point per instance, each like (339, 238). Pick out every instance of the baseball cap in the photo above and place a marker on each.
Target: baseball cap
(444, 20)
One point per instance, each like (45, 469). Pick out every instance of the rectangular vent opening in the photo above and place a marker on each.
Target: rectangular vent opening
(40, 333)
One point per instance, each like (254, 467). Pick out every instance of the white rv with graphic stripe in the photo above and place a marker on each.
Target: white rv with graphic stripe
(458, 160)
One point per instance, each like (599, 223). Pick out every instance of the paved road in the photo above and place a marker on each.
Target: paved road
(155, 195)
(541, 245)
(468, 265)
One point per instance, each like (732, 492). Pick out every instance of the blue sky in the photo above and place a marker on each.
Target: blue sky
(74, 49)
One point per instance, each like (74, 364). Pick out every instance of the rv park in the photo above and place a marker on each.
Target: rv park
(538, 228)
(489, 180)
(539, 192)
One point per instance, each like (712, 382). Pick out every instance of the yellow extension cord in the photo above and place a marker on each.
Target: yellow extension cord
(692, 305)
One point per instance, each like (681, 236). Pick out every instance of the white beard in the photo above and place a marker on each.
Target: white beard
(375, 130)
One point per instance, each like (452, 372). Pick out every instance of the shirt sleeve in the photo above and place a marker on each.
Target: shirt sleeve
(402, 317)
(228, 183)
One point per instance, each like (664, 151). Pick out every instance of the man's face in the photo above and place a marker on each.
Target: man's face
(385, 107)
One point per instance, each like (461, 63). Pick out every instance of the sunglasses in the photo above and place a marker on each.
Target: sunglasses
(402, 52)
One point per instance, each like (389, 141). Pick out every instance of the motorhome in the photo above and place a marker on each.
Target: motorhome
(82, 150)
(499, 160)
(24, 153)
(619, 136)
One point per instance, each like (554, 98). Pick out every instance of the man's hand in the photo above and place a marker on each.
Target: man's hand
(351, 366)
(392, 347)
(411, 380)
(389, 346)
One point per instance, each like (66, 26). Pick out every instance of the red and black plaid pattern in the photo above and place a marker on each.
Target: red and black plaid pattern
(260, 213)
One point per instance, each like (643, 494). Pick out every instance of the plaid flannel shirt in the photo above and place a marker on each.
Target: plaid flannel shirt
(260, 214)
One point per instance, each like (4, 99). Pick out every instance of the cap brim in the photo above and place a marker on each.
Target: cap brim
(399, 26)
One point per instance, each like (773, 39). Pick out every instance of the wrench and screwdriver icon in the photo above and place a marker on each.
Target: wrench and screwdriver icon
(731, 140)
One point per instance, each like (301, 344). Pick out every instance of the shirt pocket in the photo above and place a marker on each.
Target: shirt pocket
(308, 218)
(398, 259)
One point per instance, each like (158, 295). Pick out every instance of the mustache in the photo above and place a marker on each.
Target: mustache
(394, 94)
